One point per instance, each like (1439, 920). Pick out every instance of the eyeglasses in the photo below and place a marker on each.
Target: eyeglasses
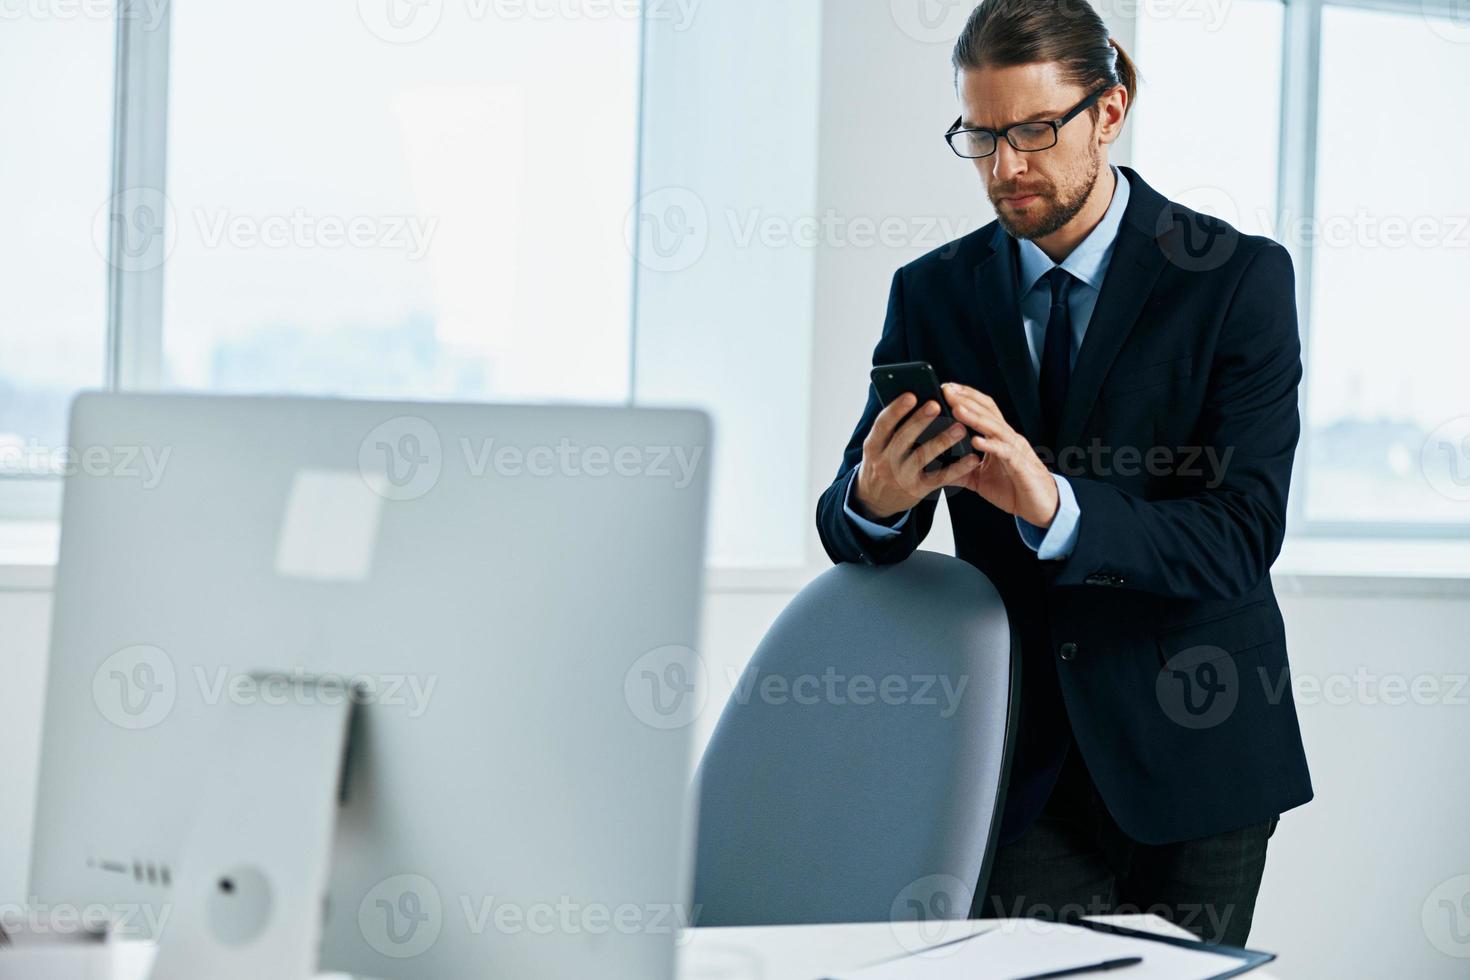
(1027, 137)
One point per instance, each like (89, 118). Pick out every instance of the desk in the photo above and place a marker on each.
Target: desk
(745, 953)
(805, 952)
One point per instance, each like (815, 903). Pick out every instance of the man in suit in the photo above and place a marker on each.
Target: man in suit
(1129, 369)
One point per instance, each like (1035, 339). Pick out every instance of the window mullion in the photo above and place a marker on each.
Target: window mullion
(142, 222)
(1296, 193)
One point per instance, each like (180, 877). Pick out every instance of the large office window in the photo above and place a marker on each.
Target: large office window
(1371, 200)
(56, 76)
(380, 198)
(1387, 404)
(415, 200)
(420, 200)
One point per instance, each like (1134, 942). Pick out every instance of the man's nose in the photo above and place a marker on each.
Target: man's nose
(1008, 162)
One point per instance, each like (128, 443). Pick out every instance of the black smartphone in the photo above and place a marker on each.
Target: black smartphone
(917, 377)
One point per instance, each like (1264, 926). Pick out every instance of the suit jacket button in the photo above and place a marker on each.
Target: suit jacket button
(1068, 651)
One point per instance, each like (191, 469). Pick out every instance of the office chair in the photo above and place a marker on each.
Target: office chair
(858, 770)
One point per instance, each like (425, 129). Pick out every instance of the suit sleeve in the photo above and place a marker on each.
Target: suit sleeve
(842, 540)
(1220, 542)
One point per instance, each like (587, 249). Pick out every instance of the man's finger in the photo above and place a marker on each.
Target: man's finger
(908, 433)
(953, 389)
(955, 473)
(936, 446)
(924, 483)
(1002, 450)
(983, 418)
(882, 431)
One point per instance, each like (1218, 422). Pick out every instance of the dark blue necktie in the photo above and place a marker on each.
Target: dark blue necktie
(1056, 356)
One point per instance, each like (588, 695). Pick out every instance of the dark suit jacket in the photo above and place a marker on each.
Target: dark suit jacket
(1158, 642)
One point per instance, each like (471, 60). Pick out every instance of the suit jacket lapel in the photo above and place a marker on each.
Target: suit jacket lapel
(1133, 269)
(999, 312)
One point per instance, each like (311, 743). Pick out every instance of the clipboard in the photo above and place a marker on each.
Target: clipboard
(1248, 959)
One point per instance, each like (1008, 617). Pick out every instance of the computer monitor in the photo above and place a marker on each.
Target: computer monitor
(510, 585)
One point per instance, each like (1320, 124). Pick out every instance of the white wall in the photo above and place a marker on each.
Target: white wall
(25, 622)
(887, 98)
(1349, 875)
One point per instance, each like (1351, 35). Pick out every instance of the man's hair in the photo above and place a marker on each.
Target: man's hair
(1004, 33)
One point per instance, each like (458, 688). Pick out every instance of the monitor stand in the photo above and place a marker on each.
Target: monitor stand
(253, 871)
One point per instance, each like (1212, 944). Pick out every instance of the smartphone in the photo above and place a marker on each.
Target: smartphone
(917, 377)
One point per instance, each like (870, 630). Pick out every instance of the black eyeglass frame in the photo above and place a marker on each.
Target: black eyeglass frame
(997, 134)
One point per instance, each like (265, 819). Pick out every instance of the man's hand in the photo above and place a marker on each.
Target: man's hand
(1012, 477)
(892, 479)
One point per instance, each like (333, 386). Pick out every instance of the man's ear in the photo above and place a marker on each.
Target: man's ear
(1112, 112)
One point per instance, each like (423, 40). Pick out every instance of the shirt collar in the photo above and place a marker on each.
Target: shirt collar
(1089, 259)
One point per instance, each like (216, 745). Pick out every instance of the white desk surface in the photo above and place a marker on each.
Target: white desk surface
(745, 953)
(808, 952)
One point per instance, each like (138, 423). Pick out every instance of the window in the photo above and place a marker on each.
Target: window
(419, 200)
(376, 199)
(56, 73)
(1368, 194)
(423, 201)
(1389, 436)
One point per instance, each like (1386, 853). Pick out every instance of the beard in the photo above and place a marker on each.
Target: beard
(1053, 207)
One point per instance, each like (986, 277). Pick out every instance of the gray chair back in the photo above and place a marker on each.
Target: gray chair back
(857, 771)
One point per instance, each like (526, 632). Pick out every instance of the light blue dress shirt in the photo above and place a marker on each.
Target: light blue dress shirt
(1088, 262)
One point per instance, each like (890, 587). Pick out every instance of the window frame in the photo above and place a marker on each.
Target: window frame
(1296, 193)
(139, 160)
(133, 352)
(134, 329)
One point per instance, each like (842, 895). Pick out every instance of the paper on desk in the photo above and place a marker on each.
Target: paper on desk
(1024, 947)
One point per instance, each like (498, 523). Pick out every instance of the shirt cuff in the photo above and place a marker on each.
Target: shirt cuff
(874, 530)
(1056, 542)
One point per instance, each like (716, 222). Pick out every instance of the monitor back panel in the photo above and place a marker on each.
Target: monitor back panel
(508, 585)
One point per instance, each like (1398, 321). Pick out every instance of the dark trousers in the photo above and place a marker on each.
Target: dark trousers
(1075, 861)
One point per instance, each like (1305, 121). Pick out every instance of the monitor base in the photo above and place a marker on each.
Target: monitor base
(253, 871)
